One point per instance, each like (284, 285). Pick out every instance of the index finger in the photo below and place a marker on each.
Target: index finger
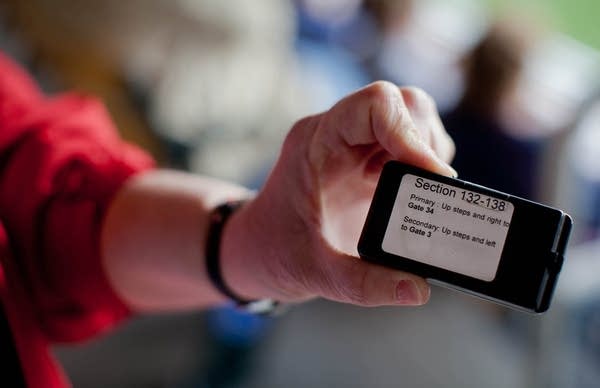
(378, 113)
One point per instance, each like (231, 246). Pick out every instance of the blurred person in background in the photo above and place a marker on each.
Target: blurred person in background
(92, 233)
(422, 42)
(491, 154)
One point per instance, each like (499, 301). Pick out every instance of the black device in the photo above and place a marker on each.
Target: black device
(464, 236)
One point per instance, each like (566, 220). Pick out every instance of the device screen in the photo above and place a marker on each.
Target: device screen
(448, 227)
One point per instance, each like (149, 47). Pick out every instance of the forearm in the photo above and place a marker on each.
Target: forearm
(154, 237)
(296, 240)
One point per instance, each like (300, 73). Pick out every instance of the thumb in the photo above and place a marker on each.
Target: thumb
(349, 279)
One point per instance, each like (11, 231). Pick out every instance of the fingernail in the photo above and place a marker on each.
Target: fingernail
(408, 293)
(443, 165)
(454, 173)
(413, 137)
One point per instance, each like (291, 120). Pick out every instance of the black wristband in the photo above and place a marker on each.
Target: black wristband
(217, 221)
(218, 218)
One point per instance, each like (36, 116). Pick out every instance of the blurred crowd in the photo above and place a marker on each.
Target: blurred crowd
(197, 80)
(213, 86)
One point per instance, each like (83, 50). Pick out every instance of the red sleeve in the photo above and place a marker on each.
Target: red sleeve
(61, 162)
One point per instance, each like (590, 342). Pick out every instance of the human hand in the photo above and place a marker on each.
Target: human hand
(297, 239)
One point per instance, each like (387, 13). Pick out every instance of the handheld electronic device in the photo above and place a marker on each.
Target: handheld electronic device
(465, 236)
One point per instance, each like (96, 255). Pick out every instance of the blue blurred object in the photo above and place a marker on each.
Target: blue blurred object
(234, 327)
(234, 337)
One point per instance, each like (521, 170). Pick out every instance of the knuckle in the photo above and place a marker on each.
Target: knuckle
(388, 110)
(303, 122)
(360, 292)
(381, 91)
(355, 295)
(419, 98)
(345, 283)
(352, 291)
(301, 126)
(300, 131)
(357, 288)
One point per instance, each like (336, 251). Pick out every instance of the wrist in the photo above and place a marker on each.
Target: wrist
(218, 219)
(239, 263)
(246, 296)
(262, 257)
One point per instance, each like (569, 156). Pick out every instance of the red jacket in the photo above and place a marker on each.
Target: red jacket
(61, 162)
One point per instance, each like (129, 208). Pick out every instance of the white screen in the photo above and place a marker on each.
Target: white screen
(448, 227)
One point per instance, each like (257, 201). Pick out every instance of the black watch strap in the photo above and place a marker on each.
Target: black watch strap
(218, 219)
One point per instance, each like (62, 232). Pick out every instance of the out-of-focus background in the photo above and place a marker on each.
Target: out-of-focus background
(212, 87)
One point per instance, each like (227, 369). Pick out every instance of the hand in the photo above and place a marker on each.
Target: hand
(297, 240)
